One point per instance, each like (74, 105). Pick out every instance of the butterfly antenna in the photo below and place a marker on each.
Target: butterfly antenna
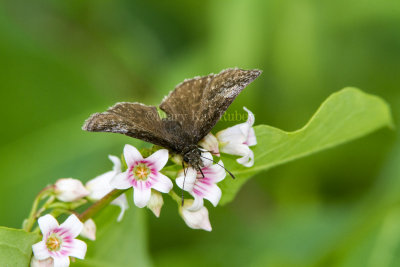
(231, 174)
(184, 179)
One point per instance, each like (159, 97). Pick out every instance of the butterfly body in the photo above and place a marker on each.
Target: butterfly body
(192, 110)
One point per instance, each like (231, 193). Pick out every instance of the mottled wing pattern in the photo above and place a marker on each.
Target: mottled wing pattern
(200, 102)
(218, 95)
(183, 103)
(134, 120)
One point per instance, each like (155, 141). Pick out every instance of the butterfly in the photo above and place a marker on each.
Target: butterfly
(192, 110)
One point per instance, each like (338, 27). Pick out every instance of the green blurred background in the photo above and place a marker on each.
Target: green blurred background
(63, 60)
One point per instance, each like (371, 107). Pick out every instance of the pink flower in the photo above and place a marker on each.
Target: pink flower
(203, 187)
(59, 241)
(143, 175)
(237, 139)
(197, 219)
(69, 190)
(100, 186)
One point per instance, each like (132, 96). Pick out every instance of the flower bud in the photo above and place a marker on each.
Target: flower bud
(155, 203)
(69, 190)
(195, 219)
(89, 230)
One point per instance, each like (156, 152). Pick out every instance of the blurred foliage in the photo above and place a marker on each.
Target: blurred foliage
(63, 60)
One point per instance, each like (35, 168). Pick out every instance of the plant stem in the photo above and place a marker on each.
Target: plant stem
(100, 204)
(28, 224)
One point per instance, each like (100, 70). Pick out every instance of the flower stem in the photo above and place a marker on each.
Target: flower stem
(30, 221)
(100, 204)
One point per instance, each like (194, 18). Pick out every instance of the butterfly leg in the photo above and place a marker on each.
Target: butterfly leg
(184, 179)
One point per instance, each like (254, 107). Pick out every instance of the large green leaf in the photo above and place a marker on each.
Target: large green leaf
(16, 247)
(344, 116)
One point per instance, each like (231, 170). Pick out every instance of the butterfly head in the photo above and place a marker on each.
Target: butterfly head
(192, 156)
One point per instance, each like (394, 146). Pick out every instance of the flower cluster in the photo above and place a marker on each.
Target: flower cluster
(146, 178)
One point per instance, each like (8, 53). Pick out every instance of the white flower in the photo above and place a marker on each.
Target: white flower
(143, 175)
(197, 219)
(100, 186)
(69, 190)
(210, 143)
(59, 241)
(155, 203)
(43, 263)
(236, 140)
(89, 230)
(203, 187)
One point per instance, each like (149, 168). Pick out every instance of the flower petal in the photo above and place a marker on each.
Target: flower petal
(47, 223)
(198, 203)
(191, 175)
(78, 249)
(236, 149)
(197, 219)
(232, 134)
(250, 117)
(89, 230)
(100, 185)
(141, 196)
(163, 183)
(215, 172)
(62, 261)
(251, 138)
(73, 225)
(207, 158)
(131, 155)
(121, 181)
(247, 160)
(40, 250)
(122, 202)
(213, 194)
(210, 143)
(117, 163)
(158, 159)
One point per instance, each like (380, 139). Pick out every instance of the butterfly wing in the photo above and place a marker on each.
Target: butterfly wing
(138, 121)
(203, 100)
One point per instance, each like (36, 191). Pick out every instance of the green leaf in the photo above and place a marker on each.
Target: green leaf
(118, 244)
(16, 247)
(345, 115)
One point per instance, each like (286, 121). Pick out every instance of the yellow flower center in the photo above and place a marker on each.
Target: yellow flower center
(54, 242)
(141, 172)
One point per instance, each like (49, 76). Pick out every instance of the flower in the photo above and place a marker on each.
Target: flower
(59, 241)
(100, 186)
(155, 203)
(210, 143)
(236, 140)
(197, 219)
(203, 187)
(143, 175)
(43, 263)
(69, 190)
(89, 230)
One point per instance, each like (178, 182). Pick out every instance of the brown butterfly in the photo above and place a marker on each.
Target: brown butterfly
(192, 110)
